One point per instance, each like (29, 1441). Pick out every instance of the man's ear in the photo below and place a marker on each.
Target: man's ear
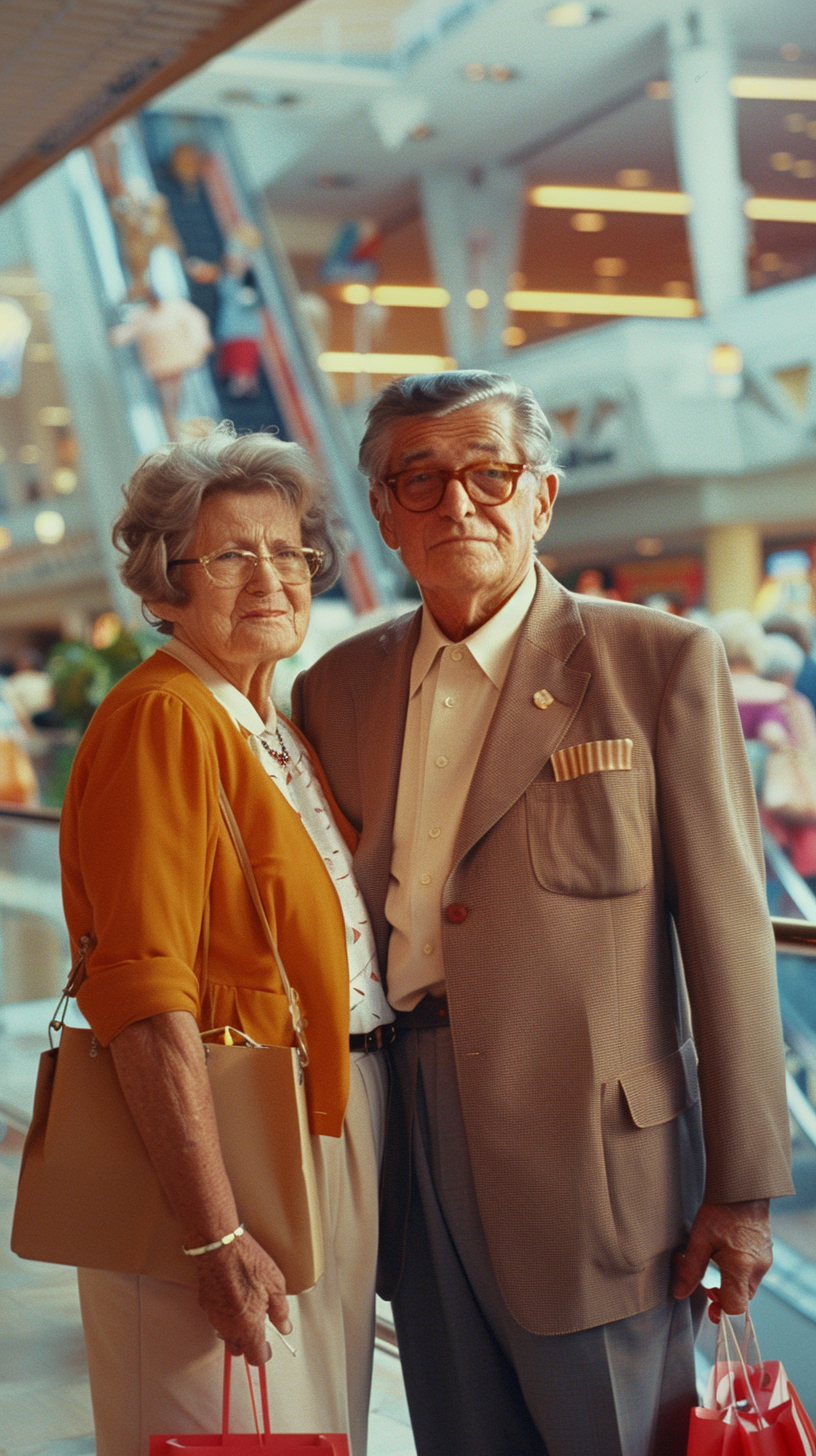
(378, 500)
(546, 492)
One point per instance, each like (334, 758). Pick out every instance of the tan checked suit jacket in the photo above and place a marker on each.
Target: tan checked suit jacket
(578, 1084)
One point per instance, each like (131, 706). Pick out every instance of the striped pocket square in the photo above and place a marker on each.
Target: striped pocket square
(591, 758)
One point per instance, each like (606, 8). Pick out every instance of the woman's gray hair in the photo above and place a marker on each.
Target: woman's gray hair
(165, 493)
(441, 394)
(783, 657)
(743, 638)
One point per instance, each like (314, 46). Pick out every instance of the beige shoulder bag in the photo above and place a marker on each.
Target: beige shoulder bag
(88, 1194)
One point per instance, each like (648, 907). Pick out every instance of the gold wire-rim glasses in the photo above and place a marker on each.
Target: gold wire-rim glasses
(243, 574)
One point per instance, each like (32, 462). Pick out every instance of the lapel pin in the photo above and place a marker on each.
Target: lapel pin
(542, 698)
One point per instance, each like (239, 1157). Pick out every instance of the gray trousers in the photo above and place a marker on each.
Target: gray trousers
(478, 1384)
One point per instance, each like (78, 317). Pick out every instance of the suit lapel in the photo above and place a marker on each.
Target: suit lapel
(381, 702)
(522, 737)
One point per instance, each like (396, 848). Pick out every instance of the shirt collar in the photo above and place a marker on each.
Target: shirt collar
(239, 707)
(491, 645)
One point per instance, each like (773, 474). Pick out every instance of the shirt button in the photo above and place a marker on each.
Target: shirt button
(449, 702)
(456, 655)
(434, 833)
(424, 879)
(456, 913)
(441, 761)
(427, 949)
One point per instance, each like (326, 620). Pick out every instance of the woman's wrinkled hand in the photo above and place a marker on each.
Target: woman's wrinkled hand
(238, 1287)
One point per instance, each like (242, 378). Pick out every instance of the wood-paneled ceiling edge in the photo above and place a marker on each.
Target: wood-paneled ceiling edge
(121, 98)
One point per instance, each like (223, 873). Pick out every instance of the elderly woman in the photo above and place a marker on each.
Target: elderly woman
(224, 540)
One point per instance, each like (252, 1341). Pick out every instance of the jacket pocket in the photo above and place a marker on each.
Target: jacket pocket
(590, 835)
(643, 1152)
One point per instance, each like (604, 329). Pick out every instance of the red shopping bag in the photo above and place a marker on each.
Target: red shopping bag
(286, 1445)
(750, 1410)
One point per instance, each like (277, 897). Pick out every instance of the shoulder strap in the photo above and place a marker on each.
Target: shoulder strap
(252, 885)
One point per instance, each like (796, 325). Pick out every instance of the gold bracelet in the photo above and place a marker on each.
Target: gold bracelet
(219, 1243)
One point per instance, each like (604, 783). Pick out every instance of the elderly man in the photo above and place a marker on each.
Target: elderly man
(556, 818)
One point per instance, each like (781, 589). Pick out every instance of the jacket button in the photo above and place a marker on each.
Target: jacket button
(456, 914)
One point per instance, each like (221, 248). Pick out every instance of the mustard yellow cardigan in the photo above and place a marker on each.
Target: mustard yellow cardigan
(144, 850)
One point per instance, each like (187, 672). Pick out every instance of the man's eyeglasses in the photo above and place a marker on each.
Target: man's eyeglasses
(294, 565)
(487, 482)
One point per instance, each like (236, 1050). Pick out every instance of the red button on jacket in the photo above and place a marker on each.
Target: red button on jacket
(456, 914)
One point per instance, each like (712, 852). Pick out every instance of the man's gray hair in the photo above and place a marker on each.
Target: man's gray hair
(441, 394)
(168, 487)
(783, 657)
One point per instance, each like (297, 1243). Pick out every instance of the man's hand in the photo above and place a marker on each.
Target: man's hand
(237, 1288)
(737, 1238)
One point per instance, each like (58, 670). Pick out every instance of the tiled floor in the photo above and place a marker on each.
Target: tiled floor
(45, 1407)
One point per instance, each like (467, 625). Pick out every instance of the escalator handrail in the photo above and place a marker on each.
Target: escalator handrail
(794, 935)
(42, 815)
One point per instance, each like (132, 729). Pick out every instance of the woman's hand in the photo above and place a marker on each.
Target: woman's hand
(161, 1068)
(238, 1287)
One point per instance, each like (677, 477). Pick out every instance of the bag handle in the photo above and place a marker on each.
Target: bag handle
(225, 1405)
(298, 1022)
(724, 1333)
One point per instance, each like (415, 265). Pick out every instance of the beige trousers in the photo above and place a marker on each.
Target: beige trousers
(156, 1366)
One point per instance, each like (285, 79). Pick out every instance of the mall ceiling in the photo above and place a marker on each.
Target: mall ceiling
(70, 67)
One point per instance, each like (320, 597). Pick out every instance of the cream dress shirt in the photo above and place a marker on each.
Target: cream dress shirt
(301, 787)
(454, 690)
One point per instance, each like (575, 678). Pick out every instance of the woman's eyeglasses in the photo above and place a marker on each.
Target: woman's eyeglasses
(293, 565)
(487, 482)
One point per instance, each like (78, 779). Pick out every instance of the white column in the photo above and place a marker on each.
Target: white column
(705, 136)
(473, 223)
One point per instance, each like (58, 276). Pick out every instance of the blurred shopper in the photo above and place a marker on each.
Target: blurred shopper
(172, 337)
(760, 702)
(223, 540)
(800, 630)
(18, 781)
(29, 688)
(545, 785)
(784, 660)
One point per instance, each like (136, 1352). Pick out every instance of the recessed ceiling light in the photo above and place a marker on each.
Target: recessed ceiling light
(658, 90)
(574, 12)
(795, 121)
(476, 298)
(780, 209)
(513, 336)
(773, 88)
(64, 480)
(55, 415)
(634, 177)
(49, 527)
(610, 267)
(503, 73)
(422, 133)
(804, 168)
(790, 52)
(725, 359)
(770, 262)
(677, 288)
(475, 71)
(355, 293)
(588, 222)
(782, 161)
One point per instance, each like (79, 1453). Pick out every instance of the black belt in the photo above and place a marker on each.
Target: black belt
(372, 1041)
(430, 1011)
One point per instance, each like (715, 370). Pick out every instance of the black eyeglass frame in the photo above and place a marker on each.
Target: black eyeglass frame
(461, 473)
(314, 561)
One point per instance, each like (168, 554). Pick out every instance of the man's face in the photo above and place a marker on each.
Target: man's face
(462, 547)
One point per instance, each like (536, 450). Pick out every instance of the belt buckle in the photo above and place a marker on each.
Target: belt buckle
(381, 1036)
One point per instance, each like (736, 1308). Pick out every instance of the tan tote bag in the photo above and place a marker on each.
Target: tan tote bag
(88, 1194)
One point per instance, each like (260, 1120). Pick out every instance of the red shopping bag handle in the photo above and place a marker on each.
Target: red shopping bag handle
(225, 1408)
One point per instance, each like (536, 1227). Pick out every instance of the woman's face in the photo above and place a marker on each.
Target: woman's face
(242, 629)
